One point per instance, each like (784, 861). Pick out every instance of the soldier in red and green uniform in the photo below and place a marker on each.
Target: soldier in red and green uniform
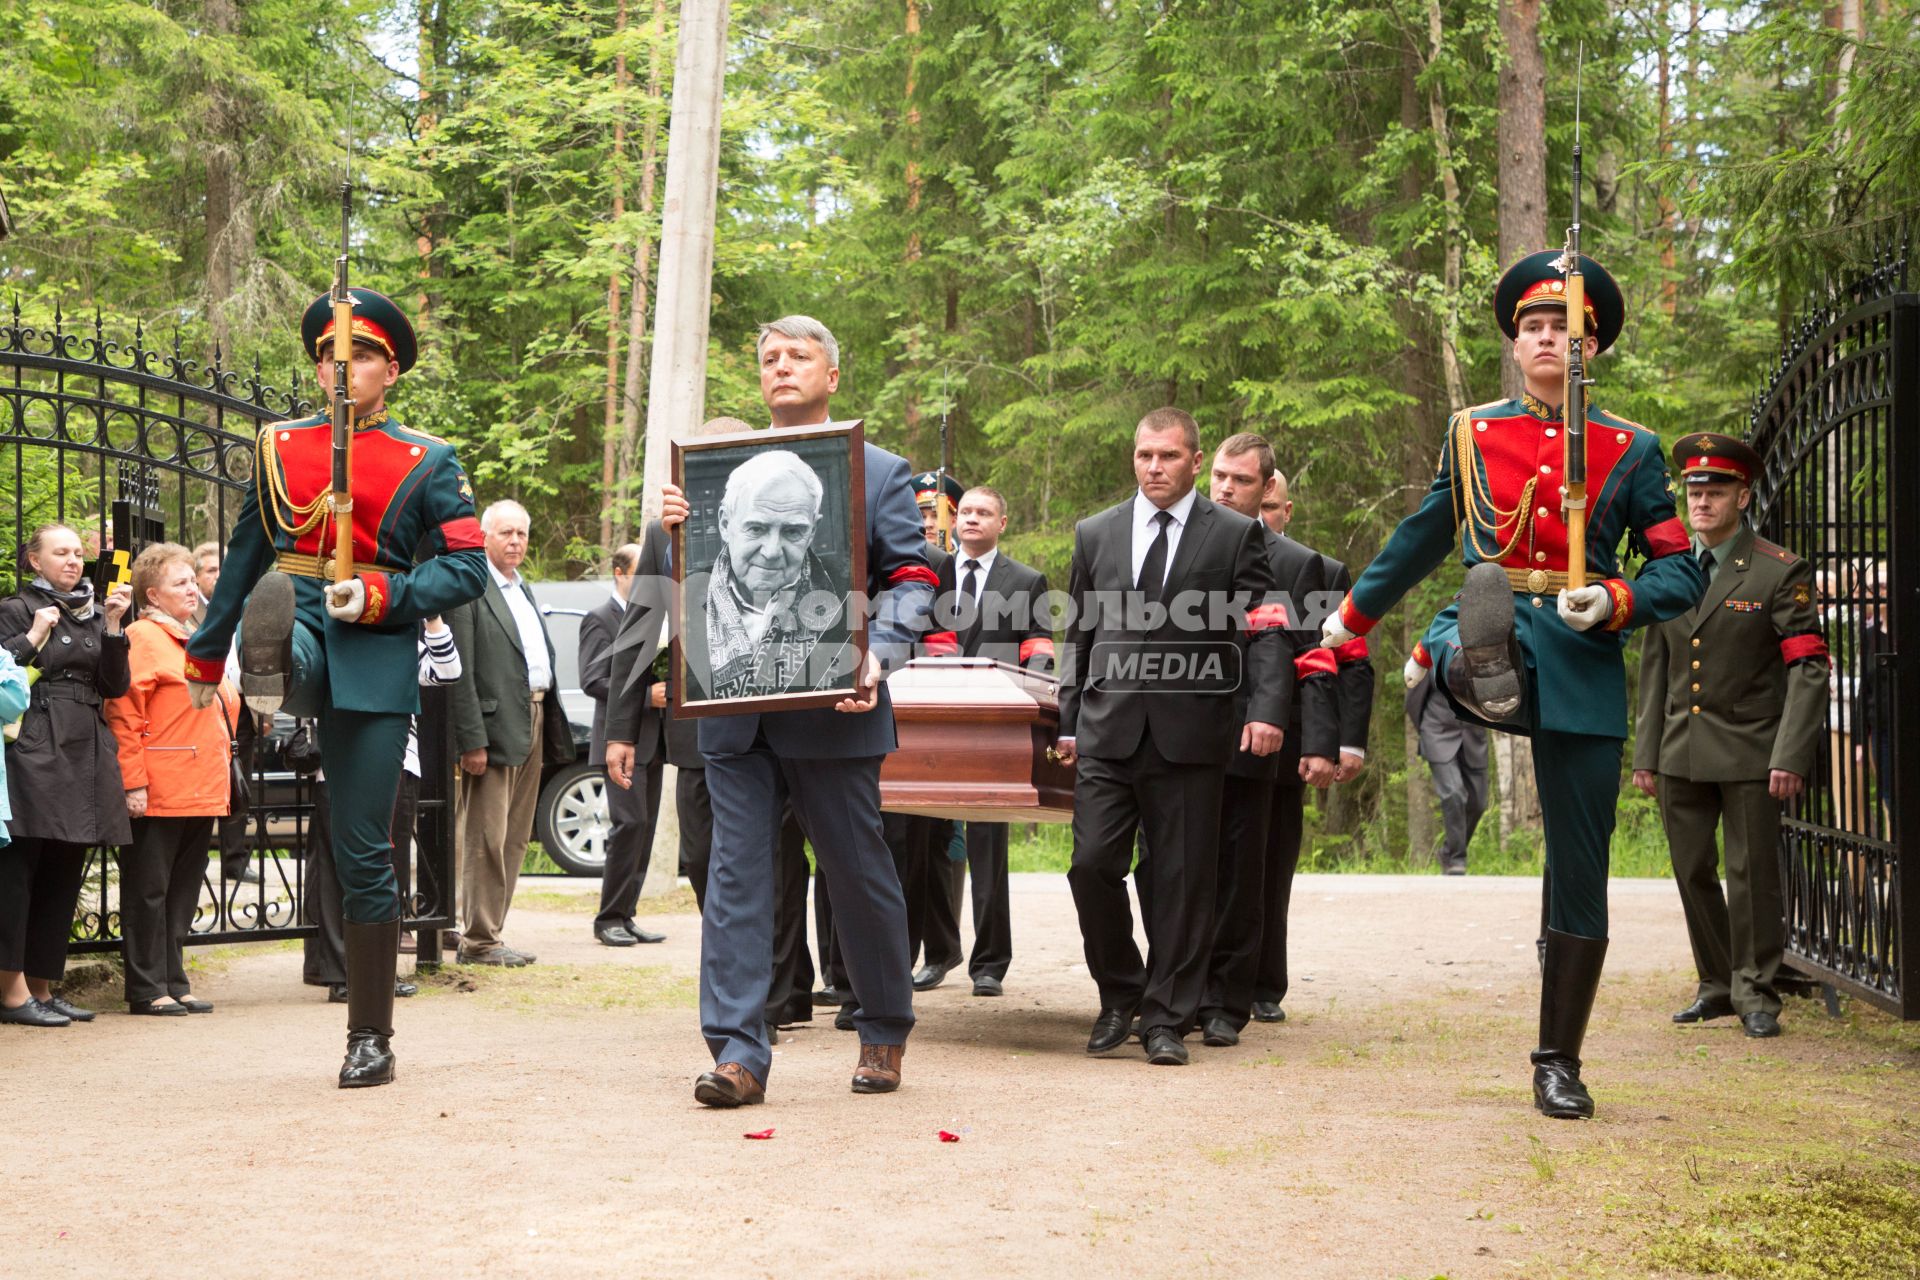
(346, 654)
(1518, 651)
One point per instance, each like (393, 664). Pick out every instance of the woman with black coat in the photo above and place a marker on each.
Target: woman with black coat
(63, 773)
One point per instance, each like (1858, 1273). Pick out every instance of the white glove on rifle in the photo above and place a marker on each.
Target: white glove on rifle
(1413, 673)
(1587, 607)
(347, 600)
(1333, 634)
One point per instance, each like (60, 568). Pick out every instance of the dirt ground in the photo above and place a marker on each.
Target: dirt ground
(543, 1122)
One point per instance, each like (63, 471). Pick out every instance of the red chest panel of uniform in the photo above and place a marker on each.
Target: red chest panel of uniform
(1516, 449)
(381, 471)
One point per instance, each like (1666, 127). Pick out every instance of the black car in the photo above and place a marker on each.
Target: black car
(571, 822)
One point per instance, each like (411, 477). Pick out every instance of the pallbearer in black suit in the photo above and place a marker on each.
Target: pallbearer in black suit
(633, 811)
(1242, 472)
(1315, 763)
(1155, 652)
(995, 605)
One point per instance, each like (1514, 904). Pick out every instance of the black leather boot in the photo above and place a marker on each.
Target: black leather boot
(1566, 999)
(266, 643)
(1489, 676)
(371, 959)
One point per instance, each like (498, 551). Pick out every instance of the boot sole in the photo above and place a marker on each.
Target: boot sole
(868, 1084)
(713, 1096)
(266, 644)
(1486, 630)
(369, 1083)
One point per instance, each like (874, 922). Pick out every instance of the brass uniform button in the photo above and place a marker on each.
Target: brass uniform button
(1696, 642)
(1539, 555)
(1696, 686)
(1536, 602)
(1696, 664)
(1696, 708)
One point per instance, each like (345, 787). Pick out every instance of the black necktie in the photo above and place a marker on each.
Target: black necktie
(1706, 563)
(1153, 570)
(969, 583)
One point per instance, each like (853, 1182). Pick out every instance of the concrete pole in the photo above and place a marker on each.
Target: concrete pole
(677, 382)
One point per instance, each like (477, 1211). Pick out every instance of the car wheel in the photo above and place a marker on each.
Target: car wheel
(572, 822)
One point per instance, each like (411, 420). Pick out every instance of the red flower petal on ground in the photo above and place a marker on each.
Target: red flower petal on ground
(949, 1137)
(761, 1136)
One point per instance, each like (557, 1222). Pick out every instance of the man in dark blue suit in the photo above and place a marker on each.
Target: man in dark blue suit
(828, 762)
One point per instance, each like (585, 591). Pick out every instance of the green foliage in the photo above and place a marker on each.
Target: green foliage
(1812, 1224)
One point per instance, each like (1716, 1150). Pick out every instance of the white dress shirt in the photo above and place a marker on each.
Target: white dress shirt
(1145, 529)
(526, 617)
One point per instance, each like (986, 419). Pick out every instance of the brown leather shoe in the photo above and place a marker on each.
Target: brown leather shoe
(730, 1085)
(879, 1069)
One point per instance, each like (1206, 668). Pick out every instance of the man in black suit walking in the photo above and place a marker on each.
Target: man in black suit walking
(1154, 654)
(633, 811)
(995, 605)
(1321, 767)
(1241, 473)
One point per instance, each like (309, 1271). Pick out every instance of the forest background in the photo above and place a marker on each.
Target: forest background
(1027, 221)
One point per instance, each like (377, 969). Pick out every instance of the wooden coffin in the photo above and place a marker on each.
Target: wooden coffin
(976, 737)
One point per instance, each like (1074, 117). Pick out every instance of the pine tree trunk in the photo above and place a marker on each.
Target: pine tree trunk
(222, 18)
(630, 398)
(610, 426)
(1523, 230)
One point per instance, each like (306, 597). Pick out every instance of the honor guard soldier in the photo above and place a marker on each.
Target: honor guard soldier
(938, 496)
(1733, 694)
(346, 653)
(1521, 653)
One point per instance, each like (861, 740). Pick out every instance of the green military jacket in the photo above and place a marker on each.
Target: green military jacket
(1736, 686)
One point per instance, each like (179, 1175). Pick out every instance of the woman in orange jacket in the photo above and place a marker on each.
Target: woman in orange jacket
(177, 764)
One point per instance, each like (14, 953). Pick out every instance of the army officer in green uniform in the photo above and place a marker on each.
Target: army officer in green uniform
(1733, 694)
(1525, 652)
(347, 653)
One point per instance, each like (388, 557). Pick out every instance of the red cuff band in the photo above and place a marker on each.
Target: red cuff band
(1316, 661)
(1805, 648)
(941, 644)
(1354, 620)
(1420, 655)
(913, 573)
(379, 596)
(1039, 646)
(1668, 538)
(1266, 617)
(463, 534)
(206, 670)
(1622, 594)
(1352, 651)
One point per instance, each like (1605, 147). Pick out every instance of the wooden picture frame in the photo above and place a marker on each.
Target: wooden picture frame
(766, 617)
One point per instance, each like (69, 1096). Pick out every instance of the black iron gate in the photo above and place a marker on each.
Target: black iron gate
(100, 435)
(1839, 431)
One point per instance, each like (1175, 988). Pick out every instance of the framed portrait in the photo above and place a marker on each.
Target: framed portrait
(766, 567)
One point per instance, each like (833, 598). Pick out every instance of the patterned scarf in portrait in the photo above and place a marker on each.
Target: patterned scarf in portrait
(782, 660)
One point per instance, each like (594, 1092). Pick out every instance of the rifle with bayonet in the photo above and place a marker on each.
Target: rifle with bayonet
(1574, 403)
(341, 499)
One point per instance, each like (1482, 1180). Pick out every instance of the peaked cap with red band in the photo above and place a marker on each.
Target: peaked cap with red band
(376, 319)
(1706, 456)
(1538, 280)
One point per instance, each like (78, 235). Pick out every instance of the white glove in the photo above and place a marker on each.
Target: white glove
(1586, 608)
(1333, 633)
(347, 600)
(200, 694)
(1413, 673)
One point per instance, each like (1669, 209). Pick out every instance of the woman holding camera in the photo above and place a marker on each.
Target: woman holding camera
(178, 765)
(63, 779)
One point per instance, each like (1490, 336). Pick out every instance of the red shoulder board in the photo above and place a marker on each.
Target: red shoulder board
(1775, 550)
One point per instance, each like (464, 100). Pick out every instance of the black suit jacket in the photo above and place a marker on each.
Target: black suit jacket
(1356, 673)
(1221, 554)
(1314, 727)
(630, 713)
(1010, 623)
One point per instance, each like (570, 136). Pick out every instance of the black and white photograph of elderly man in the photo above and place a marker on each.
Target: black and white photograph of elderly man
(770, 550)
